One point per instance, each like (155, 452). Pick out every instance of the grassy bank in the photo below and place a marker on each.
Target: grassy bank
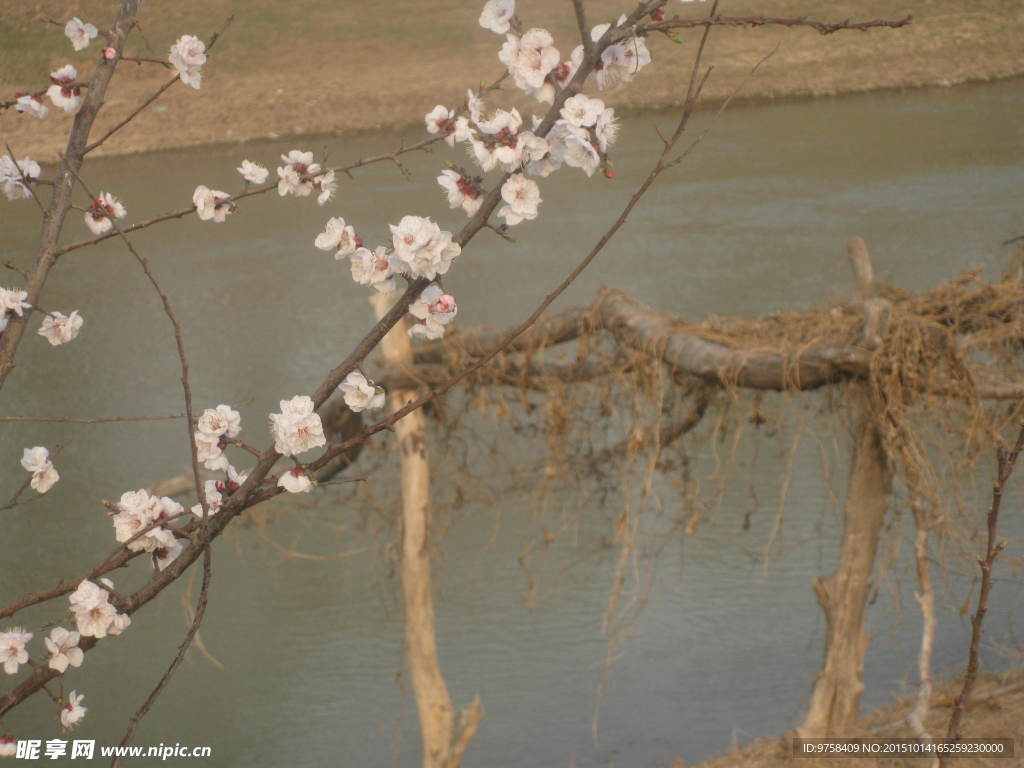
(332, 66)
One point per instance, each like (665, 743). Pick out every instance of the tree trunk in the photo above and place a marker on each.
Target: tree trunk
(445, 733)
(835, 699)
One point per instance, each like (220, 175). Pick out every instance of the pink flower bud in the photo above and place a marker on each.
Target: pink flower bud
(109, 53)
(444, 304)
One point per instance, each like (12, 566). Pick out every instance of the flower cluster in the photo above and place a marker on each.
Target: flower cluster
(213, 428)
(187, 56)
(434, 309)
(99, 218)
(58, 328)
(338, 236)
(422, 249)
(137, 525)
(14, 175)
(297, 428)
(216, 490)
(63, 93)
(37, 461)
(12, 648)
(94, 615)
(299, 176)
(79, 33)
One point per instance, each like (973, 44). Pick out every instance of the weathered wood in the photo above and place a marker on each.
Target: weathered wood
(444, 733)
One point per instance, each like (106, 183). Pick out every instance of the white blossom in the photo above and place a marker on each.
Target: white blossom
(93, 613)
(295, 481)
(12, 300)
(137, 511)
(214, 499)
(210, 451)
(461, 190)
(63, 647)
(421, 248)
(297, 428)
(188, 55)
(58, 328)
(101, 213)
(252, 172)
(434, 309)
(12, 648)
(530, 58)
(360, 393)
(222, 420)
(62, 93)
(37, 461)
(327, 186)
(14, 175)
(72, 712)
(619, 62)
(32, 104)
(297, 166)
(164, 556)
(212, 204)
(438, 120)
(8, 746)
(582, 111)
(373, 268)
(521, 195)
(337, 235)
(606, 129)
(79, 33)
(497, 14)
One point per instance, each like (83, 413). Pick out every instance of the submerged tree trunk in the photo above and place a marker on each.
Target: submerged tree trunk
(445, 733)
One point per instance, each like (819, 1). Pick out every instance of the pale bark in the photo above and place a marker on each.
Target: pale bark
(835, 699)
(445, 733)
(926, 602)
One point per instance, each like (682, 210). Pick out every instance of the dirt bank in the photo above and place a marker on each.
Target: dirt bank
(990, 716)
(330, 66)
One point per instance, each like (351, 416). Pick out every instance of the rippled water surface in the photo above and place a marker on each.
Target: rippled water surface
(308, 651)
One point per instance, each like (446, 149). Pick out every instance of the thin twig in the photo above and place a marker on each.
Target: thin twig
(250, 192)
(204, 594)
(179, 343)
(1005, 463)
(102, 420)
(824, 27)
(60, 202)
(156, 95)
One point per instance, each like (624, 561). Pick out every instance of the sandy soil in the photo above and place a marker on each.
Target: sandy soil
(1000, 716)
(335, 66)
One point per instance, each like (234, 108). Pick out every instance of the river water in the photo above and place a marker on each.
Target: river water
(303, 629)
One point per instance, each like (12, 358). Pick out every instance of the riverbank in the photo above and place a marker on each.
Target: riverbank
(314, 66)
(997, 712)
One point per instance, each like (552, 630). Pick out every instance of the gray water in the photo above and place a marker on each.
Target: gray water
(310, 649)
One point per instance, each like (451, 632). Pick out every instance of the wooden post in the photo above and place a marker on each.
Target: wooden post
(445, 734)
(835, 698)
